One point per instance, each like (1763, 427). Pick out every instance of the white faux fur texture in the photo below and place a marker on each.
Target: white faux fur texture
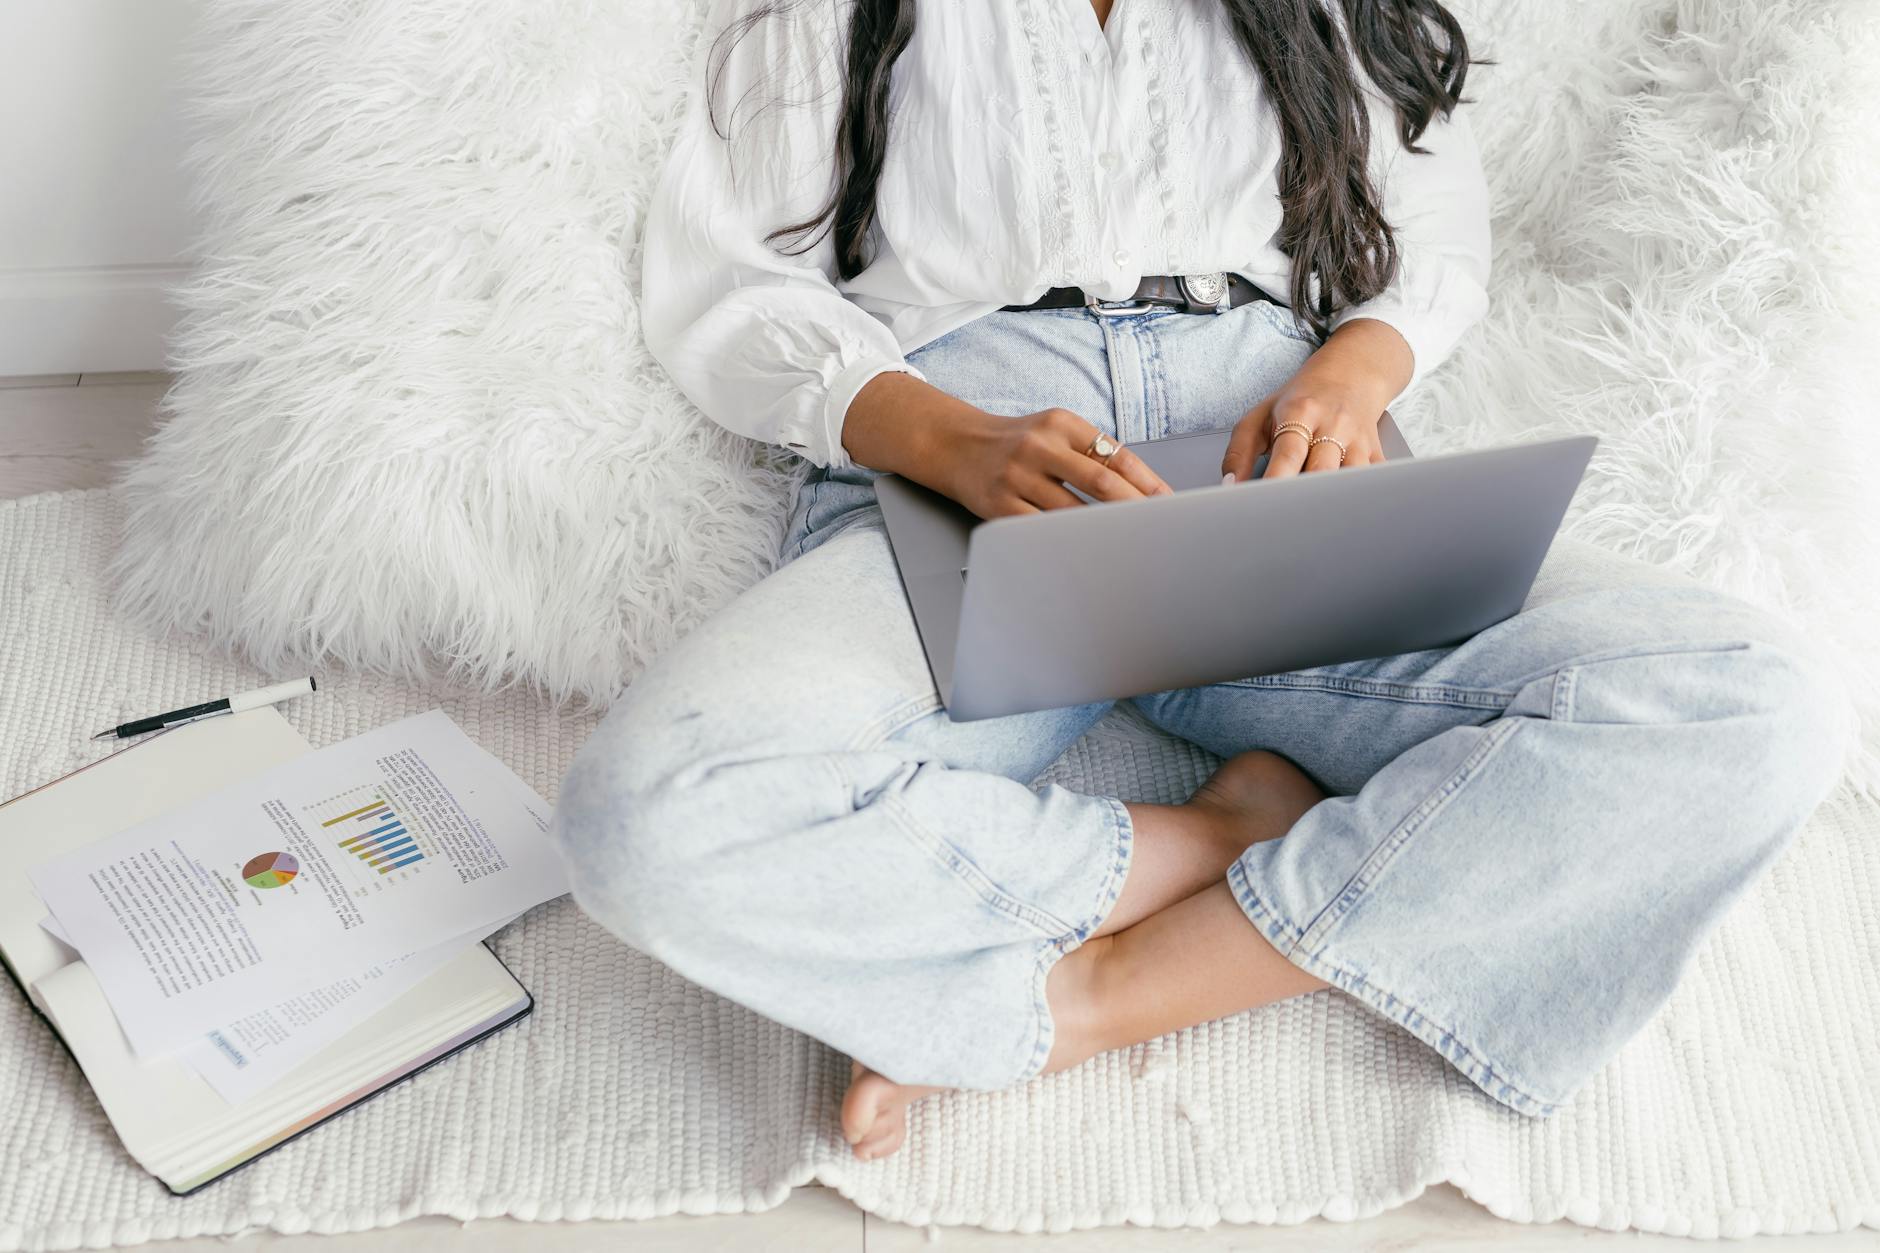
(415, 430)
(1687, 264)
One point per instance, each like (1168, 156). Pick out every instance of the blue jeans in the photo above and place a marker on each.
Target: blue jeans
(1526, 835)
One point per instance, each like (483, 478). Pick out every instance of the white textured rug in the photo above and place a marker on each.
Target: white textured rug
(1750, 1105)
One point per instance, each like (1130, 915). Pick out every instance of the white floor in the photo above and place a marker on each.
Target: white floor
(66, 431)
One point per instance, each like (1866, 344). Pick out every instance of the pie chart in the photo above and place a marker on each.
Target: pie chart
(270, 870)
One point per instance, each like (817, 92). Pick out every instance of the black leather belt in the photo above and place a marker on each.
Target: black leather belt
(1190, 293)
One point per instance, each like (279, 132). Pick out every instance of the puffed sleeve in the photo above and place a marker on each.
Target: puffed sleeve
(757, 337)
(1437, 202)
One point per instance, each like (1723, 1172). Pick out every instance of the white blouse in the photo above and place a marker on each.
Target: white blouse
(1029, 148)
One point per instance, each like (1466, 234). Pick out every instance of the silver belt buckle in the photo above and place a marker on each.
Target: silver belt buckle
(1115, 308)
(1205, 289)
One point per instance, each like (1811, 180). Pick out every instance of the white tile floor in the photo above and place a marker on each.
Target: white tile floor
(816, 1220)
(66, 431)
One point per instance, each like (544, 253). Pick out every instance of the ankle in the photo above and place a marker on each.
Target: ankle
(1079, 991)
(1254, 796)
(1221, 826)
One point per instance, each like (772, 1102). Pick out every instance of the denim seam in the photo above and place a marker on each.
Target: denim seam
(1458, 1051)
(969, 873)
(1044, 1030)
(1130, 414)
(845, 785)
(1380, 857)
(1052, 951)
(809, 514)
(1282, 320)
(836, 525)
(1635, 652)
(1381, 689)
(892, 722)
(1123, 847)
(1111, 334)
(1139, 345)
(1560, 709)
(1156, 380)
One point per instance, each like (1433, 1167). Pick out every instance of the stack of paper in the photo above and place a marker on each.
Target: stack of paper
(303, 930)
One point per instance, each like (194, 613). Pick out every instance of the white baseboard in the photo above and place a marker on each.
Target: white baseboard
(86, 320)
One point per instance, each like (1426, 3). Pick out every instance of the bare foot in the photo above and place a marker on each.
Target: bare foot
(1256, 796)
(874, 1112)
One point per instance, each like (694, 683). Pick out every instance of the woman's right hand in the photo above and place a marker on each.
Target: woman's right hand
(993, 465)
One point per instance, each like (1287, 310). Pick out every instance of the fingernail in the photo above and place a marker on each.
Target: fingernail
(1227, 478)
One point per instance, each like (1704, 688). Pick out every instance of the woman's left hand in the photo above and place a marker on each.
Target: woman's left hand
(1338, 396)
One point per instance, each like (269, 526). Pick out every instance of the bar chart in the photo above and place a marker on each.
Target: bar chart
(377, 836)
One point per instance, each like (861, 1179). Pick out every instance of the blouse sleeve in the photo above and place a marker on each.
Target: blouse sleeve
(756, 337)
(1437, 202)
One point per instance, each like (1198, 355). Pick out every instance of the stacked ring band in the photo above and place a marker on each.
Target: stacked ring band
(1298, 428)
(1103, 448)
(1327, 439)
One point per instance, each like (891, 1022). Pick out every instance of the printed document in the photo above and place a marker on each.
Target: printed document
(249, 1055)
(298, 879)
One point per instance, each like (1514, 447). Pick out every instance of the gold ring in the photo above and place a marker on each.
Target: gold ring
(1298, 428)
(1102, 448)
(1327, 439)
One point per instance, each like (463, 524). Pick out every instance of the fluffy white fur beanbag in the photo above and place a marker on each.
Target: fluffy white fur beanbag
(415, 429)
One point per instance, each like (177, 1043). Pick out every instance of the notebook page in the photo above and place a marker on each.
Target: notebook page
(250, 1055)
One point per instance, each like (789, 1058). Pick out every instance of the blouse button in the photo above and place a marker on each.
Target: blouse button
(1120, 256)
(1109, 161)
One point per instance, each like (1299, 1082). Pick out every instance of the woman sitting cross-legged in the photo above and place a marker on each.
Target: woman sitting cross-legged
(972, 244)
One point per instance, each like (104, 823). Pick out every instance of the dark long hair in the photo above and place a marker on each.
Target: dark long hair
(1332, 224)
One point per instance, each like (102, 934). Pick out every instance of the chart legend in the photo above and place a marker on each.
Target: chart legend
(377, 836)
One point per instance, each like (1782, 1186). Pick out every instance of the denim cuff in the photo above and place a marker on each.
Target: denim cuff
(1122, 839)
(1286, 934)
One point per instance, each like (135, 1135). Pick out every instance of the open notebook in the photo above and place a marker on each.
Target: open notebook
(170, 1119)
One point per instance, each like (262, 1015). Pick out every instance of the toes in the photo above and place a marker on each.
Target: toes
(874, 1112)
(889, 1134)
(861, 1106)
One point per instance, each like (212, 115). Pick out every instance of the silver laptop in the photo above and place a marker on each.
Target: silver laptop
(1223, 582)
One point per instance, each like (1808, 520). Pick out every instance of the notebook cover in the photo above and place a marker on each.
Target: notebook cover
(527, 1009)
